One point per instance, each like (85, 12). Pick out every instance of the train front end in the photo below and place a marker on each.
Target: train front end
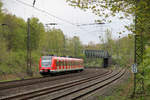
(45, 65)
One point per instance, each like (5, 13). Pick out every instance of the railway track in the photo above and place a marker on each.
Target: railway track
(27, 95)
(71, 90)
(20, 83)
(85, 89)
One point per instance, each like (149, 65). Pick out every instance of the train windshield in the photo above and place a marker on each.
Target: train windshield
(46, 61)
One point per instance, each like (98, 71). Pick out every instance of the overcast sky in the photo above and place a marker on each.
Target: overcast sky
(62, 10)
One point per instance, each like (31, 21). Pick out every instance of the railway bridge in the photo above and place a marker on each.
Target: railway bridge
(102, 54)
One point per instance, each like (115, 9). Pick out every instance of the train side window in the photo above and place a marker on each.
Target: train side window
(64, 63)
(57, 62)
(68, 63)
(61, 63)
(82, 63)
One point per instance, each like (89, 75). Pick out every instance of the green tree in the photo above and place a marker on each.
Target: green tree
(53, 42)
(14, 32)
(126, 8)
(37, 32)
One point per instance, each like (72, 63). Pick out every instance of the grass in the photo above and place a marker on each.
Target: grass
(124, 92)
(17, 76)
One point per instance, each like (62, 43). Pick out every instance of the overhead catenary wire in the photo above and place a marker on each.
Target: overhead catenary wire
(41, 10)
(49, 14)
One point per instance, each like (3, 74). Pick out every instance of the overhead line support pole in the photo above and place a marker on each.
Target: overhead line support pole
(29, 69)
(138, 59)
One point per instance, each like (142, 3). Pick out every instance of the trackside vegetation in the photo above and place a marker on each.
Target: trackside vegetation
(135, 10)
(13, 46)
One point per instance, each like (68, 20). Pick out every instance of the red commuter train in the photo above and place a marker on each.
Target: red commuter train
(52, 65)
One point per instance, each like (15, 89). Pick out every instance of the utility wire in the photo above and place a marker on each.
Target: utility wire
(90, 24)
(43, 11)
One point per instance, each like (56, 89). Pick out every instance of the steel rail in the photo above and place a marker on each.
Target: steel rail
(86, 89)
(99, 86)
(39, 92)
(20, 83)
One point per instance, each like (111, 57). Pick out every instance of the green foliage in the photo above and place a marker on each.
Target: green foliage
(122, 50)
(37, 30)
(14, 32)
(138, 9)
(93, 62)
(1, 7)
(53, 42)
(13, 39)
(3, 51)
(13, 43)
(145, 66)
(99, 7)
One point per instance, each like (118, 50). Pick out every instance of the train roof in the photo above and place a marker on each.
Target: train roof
(66, 58)
(62, 58)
